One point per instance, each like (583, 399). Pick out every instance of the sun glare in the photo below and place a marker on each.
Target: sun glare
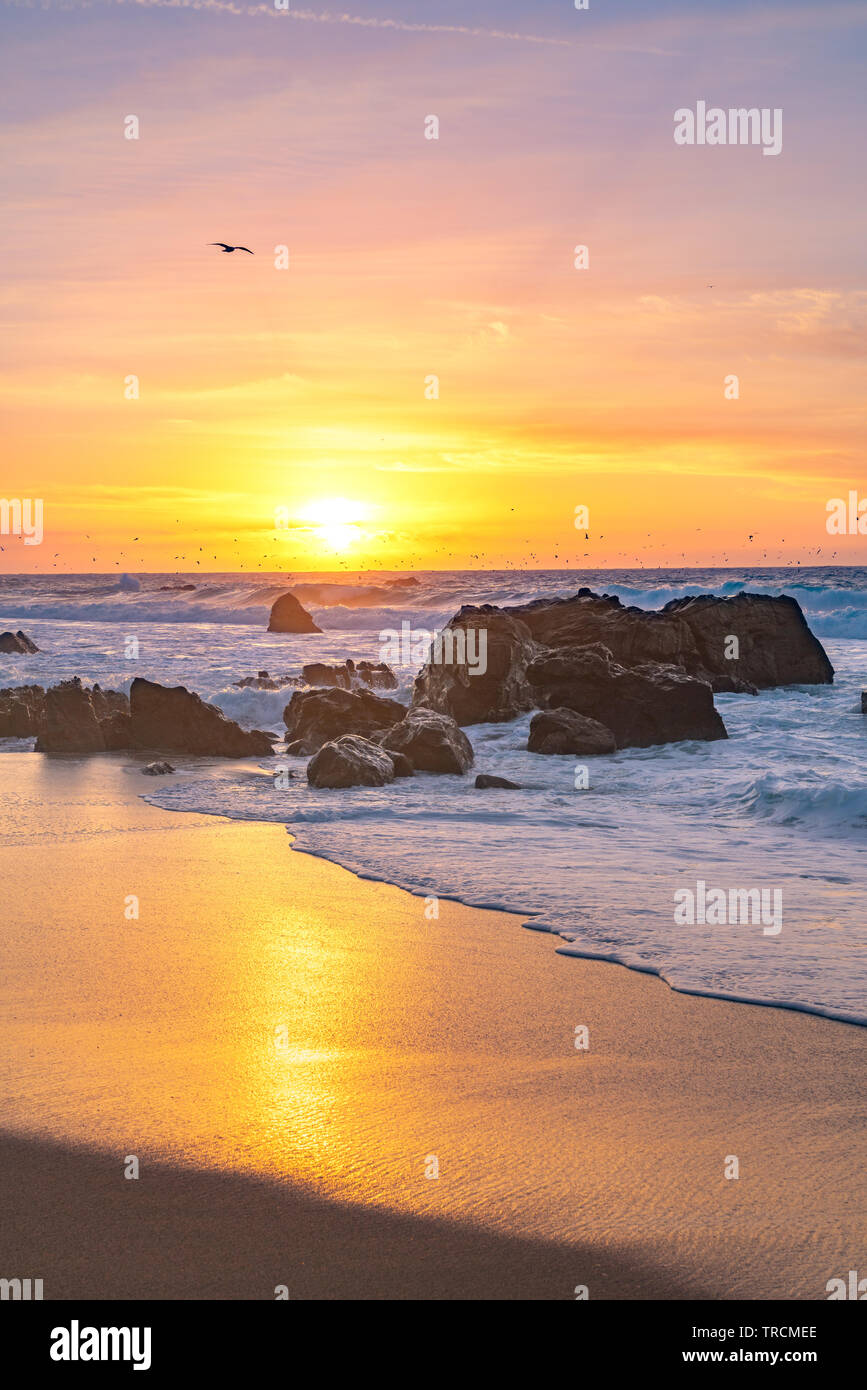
(334, 521)
(337, 537)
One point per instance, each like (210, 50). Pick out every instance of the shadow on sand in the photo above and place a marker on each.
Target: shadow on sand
(70, 1218)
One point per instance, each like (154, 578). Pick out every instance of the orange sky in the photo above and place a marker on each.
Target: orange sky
(304, 389)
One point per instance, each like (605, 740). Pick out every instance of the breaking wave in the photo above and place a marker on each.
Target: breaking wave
(834, 601)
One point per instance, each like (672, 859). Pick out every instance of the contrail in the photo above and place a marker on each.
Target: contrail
(303, 16)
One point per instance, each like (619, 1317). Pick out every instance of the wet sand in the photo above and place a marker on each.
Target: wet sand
(292, 1053)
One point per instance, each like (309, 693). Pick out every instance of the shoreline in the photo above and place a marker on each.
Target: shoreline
(404, 1039)
(525, 916)
(569, 949)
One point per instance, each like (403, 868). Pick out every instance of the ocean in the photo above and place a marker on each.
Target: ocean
(779, 806)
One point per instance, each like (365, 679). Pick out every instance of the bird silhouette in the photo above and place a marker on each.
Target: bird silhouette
(227, 249)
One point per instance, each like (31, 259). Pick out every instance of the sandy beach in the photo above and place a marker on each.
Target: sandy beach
(291, 1052)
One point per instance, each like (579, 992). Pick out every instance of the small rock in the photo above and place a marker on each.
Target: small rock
(17, 643)
(378, 677)
(485, 779)
(287, 615)
(350, 761)
(265, 682)
(432, 742)
(566, 731)
(302, 747)
(320, 673)
(322, 715)
(157, 769)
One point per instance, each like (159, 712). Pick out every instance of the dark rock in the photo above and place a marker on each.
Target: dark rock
(17, 643)
(317, 716)
(116, 732)
(68, 718)
(485, 780)
(725, 684)
(671, 661)
(641, 705)
(630, 634)
(320, 673)
(175, 588)
(348, 675)
(302, 747)
(433, 742)
(402, 765)
(378, 676)
(174, 718)
(107, 703)
(157, 769)
(497, 693)
(21, 711)
(566, 731)
(259, 682)
(863, 701)
(69, 721)
(776, 647)
(350, 761)
(265, 682)
(287, 615)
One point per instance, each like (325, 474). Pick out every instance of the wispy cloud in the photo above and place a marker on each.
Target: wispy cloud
(403, 26)
(303, 16)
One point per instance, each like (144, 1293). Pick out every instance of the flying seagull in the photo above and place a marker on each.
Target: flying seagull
(229, 249)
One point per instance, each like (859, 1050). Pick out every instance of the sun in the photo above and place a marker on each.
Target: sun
(337, 537)
(334, 521)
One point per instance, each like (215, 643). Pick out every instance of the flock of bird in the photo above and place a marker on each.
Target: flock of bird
(530, 559)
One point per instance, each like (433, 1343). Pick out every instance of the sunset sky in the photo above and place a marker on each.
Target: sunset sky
(304, 389)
